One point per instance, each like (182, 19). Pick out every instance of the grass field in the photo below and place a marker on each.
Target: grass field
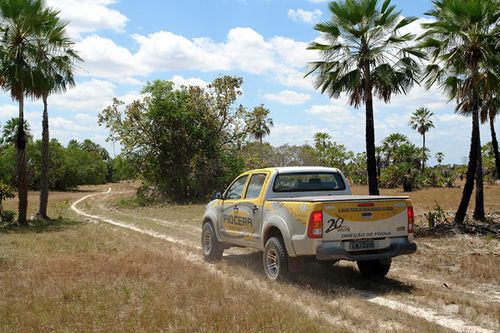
(81, 274)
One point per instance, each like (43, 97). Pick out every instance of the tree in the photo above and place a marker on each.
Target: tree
(391, 143)
(55, 65)
(21, 22)
(439, 157)
(181, 142)
(420, 120)
(459, 42)
(366, 55)
(258, 123)
(9, 131)
(330, 153)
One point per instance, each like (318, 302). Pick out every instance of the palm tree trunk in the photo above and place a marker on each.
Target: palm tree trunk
(423, 152)
(494, 142)
(44, 176)
(479, 204)
(371, 163)
(22, 177)
(471, 169)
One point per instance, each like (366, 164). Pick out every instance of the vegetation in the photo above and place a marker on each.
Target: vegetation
(258, 124)
(421, 121)
(181, 143)
(366, 55)
(36, 59)
(461, 42)
(77, 164)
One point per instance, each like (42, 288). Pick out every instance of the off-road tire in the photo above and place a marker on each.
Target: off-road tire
(211, 247)
(275, 260)
(374, 268)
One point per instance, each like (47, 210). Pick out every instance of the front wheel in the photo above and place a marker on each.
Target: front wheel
(374, 268)
(275, 260)
(212, 248)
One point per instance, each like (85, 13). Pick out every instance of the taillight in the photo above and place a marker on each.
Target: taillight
(411, 220)
(315, 226)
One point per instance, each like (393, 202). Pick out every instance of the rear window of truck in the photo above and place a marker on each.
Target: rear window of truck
(308, 182)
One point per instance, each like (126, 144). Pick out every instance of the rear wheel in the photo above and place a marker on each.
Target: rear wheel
(212, 248)
(374, 268)
(275, 260)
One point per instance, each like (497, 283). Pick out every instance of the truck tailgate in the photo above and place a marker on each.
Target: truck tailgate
(365, 219)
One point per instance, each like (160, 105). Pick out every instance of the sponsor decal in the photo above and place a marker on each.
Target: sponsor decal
(336, 224)
(366, 209)
(367, 234)
(238, 220)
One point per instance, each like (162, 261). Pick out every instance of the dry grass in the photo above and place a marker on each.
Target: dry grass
(448, 198)
(71, 276)
(94, 278)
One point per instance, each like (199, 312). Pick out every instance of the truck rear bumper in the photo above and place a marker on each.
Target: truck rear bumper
(325, 252)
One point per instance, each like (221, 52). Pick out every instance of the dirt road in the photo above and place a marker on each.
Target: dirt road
(430, 291)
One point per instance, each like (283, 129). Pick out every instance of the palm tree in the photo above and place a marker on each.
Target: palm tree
(365, 55)
(489, 111)
(21, 22)
(421, 121)
(258, 124)
(439, 157)
(391, 143)
(459, 42)
(54, 73)
(9, 131)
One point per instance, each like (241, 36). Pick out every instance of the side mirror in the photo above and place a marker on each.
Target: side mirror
(216, 195)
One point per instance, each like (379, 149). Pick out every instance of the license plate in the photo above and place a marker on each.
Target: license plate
(362, 245)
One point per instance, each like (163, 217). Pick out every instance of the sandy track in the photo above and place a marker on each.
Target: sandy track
(190, 251)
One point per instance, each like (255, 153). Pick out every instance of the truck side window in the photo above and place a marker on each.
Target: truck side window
(255, 185)
(236, 189)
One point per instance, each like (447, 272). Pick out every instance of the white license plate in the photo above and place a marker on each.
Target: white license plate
(361, 245)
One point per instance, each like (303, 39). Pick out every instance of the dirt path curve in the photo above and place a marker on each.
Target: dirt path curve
(191, 252)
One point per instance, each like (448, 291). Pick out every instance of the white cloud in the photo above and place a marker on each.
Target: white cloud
(87, 96)
(8, 111)
(87, 16)
(293, 134)
(301, 15)
(103, 58)
(418, 96)
(192, 81)
(244, 50)
(452, 118)
(293, 53)
(288, 97)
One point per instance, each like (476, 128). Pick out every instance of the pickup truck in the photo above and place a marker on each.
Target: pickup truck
(296, 215)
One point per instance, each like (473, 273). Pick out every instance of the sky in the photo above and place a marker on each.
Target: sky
(127, 43)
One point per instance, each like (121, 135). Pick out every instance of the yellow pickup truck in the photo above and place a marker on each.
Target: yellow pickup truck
(299, 214)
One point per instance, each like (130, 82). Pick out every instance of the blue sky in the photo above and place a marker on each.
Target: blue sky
(126, 43)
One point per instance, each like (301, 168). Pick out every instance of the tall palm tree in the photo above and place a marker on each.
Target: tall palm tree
(20, 24)
(54, 73)
(421, 121)
(259, 124)
(459, 42)
(365, 54)
(439, 157)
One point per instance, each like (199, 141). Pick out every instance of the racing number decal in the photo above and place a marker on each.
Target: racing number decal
(335, 224)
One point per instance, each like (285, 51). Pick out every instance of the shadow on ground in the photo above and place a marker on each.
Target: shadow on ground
(39, 226)
(335, 280)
